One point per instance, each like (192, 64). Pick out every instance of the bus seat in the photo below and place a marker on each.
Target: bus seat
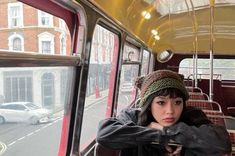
(194, 89)
(213, 112)
(188, 82)
(204, 104)
(198, 96)
(232, 138)
(103, 151)
(229, 121)
(224, 120)
(216, 119)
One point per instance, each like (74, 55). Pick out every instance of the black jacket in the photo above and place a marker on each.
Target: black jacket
(123, 133)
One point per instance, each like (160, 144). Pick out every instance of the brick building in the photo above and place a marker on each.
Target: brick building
(26, 29)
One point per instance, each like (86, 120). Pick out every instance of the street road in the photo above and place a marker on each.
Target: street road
(23, 139)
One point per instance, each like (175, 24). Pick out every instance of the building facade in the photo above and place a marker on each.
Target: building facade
(25, 29)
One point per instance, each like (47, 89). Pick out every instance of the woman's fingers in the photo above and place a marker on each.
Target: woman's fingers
(155, 125)
(173, 151)
(169, 149)
(178, 150)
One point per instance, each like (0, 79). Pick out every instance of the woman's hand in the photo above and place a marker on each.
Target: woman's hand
(173, 150)
(155, 125)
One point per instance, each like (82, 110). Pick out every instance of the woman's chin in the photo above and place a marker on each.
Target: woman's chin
(167, 124)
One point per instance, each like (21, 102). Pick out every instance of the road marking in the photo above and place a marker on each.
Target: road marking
(3, 148)
(12, 143)
(21, 138)
(30, 134)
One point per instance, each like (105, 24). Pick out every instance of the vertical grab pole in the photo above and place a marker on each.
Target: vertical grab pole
(212, 3)
(195, 42)
(195, 45)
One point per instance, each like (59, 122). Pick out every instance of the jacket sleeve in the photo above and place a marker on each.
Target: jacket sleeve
(208, 139)
(123, 132)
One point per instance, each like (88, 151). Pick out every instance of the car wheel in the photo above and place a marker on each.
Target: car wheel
(34, 120)
(2, 120)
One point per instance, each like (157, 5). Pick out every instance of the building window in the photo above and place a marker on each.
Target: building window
(62, 24)
(46, 43)
(62, 45)
(17, 86)
(46, 47)
(63, 84)
(45, 19)
(16, 43)
(15, 15)
(48, 90)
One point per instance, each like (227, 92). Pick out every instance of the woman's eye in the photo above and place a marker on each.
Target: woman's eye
(160, 102)
(179, 102)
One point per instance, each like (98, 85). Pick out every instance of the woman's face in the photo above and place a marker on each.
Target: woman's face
(165, 110)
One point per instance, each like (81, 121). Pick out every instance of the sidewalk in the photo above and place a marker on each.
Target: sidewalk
(92, 99)
(89, 101)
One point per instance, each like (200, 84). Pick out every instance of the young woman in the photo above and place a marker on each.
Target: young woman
(163, 125)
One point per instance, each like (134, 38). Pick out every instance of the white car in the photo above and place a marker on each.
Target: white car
(23, 112)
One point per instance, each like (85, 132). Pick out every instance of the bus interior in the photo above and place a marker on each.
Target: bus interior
(79, 59)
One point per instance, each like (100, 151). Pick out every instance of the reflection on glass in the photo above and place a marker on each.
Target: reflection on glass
(130, 53)
(103, 61)
(127, 90)
(145, 63)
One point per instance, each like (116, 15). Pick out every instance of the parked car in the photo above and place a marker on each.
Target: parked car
(23, 112)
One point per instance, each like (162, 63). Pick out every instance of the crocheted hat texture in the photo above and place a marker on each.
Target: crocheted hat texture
(158, 80)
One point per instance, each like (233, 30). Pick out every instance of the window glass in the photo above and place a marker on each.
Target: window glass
(20, 107)
(15, 14)
(46, 43)
(131, 54)
(129, 72)
(223, 69)
(63, 45)
(31, 30)
(45, 19)
(48, 89)
(17, 44)
(145, 62)
(152, 63)
(34, 94)
(100, 82)
(40, 92)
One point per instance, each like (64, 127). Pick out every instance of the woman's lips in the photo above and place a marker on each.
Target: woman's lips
(169, 120)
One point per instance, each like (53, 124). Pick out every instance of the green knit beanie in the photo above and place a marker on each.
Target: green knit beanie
(158, 80)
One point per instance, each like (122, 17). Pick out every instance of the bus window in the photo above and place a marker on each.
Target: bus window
(129, 72)
(130, 53)
(221, 68)
(101, 77)
(151, 64)
(33, 91)
(145, 62)
(32, 102)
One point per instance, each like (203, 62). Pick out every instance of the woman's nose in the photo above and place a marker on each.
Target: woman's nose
(170, 107)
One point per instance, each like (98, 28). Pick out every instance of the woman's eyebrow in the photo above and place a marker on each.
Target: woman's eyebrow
(162, 97)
